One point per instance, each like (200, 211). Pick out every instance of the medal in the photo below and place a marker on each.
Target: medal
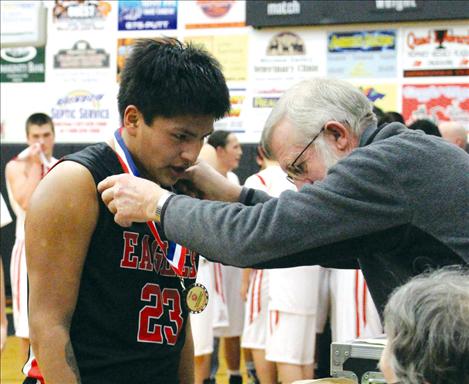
(196, 298)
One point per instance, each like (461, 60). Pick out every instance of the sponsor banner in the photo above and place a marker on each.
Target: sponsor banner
(124, 47)
(440, 51)
(234, 121)
(213, 13)
(270, 13)
(362, 54)
(437, 102)
(22, 65)
(283, 58)
(84, 115)
(384, 96)
(69, 15)
(23, 23)
(141, 15)
(230, 50)
(81, 55)
(279, 59)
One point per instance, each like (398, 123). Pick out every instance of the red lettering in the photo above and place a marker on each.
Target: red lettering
(145, 259)
(129, 259)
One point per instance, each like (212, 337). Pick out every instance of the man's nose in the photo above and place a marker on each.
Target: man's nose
(191, 151)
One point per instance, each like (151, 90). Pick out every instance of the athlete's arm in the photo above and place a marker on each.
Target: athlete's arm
(186, 364)
(23, 177)
(59, 225)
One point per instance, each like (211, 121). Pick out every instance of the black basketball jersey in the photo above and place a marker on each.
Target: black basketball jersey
(130, 317)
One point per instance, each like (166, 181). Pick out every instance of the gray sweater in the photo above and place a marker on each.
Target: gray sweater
(397, 205)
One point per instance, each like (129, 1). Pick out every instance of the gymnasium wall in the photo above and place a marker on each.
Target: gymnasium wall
(419, 68)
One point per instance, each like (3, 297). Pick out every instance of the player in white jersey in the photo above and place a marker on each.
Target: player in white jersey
(353, 313)
(271, 179)
(23, 174)
(292, 305)
(228, 154)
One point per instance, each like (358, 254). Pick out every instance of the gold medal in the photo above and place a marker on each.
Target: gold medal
(196, 298)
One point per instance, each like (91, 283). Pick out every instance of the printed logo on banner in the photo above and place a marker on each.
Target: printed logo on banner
(22, 65)
(80, 112)
(233, 120)
(362, 54)
(80, 15)
(81, 55)
(286, 43)
(124, 47)
(436, 52)
(215, 8)
(384, 96)
(139, 15)
(438, 102)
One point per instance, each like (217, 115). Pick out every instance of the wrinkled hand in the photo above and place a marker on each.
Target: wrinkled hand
(130, 198)
(203, 181)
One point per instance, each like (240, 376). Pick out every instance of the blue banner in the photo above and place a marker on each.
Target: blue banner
(140, 15)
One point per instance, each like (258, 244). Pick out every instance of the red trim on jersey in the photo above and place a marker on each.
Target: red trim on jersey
(261, 179)
(357, 316)
(364, 303)
(34, 372)
(259, 285)
(251, 315)
(18, 275)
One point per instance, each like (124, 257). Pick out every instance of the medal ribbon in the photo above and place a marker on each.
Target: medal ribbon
(174, 253)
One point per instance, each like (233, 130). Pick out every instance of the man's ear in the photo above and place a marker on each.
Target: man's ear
(132, 117)
(340, 135)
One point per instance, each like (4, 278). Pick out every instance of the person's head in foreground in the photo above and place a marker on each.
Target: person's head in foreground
(427, 325)
(454, 132)
(315, 124)
(169, 97)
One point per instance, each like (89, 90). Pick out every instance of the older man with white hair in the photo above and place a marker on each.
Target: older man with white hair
(454, 132)
(379, 198)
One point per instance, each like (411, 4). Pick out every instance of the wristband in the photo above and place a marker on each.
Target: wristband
(160, 204)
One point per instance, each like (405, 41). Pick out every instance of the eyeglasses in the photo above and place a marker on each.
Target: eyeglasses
(295, 171)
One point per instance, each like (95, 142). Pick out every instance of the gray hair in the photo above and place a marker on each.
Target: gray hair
(427, 324)
(310, 104)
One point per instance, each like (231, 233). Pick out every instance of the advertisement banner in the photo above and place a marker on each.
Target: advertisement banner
(213, 13)
(124, 47)
(234, 121)
(141, 15)
(362, 54)
(83, 115)
(437, 102)
(230, 50)
(22, 65)
(81, 55)
(275, 13)
(69, 15)
(384, 96)
(442, 51)
(278, 60)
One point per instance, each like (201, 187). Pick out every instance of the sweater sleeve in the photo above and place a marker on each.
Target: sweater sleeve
(321, 224)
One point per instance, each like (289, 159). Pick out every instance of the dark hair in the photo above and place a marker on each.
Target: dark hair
(379, 114)
(39, 119)
(391, 117)
(163, 77)
(427, 126)
(218, 138)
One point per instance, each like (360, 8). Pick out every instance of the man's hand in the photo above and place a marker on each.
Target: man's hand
(207, 183)
(31, 154)
(130, 198)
